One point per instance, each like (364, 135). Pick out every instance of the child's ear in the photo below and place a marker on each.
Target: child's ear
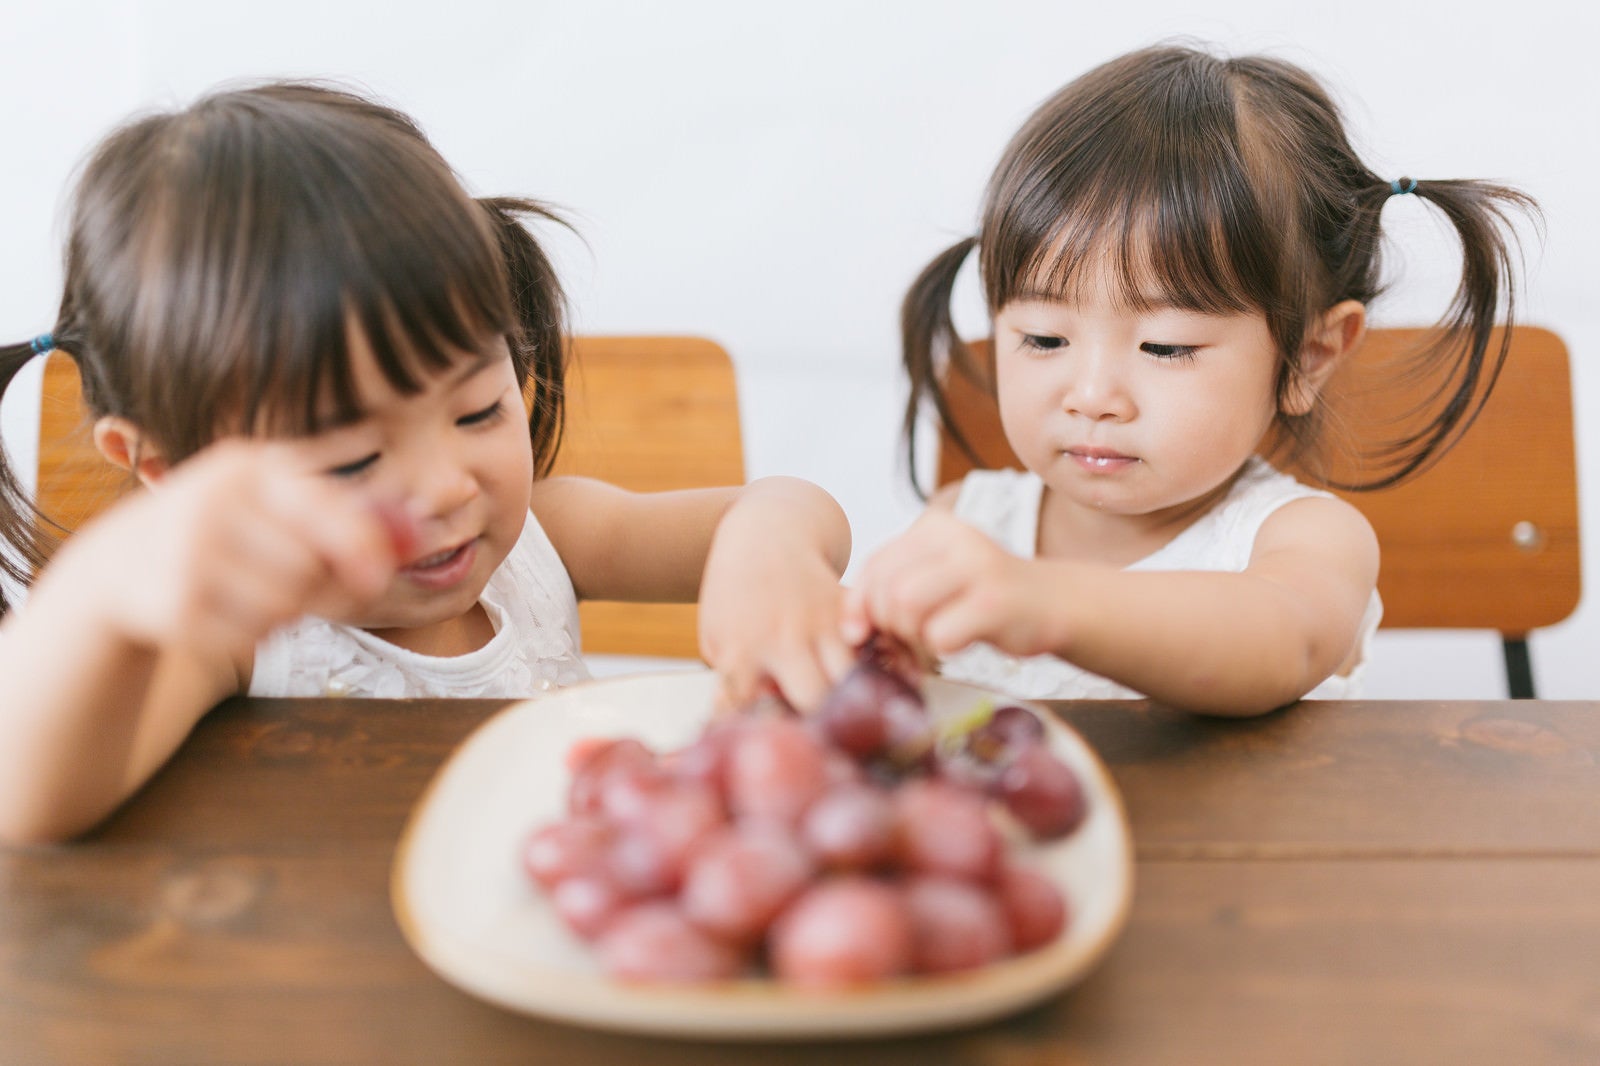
(1337, 332)
(121, 442)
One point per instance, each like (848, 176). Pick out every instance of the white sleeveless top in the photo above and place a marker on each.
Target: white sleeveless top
(1005, 505)
(535, 647)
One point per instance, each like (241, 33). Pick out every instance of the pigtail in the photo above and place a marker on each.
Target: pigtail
(929, 343)
(539, 350)
(24, 542)
(1464, 354)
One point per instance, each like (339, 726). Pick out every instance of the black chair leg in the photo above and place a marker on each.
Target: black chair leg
(1519, 668)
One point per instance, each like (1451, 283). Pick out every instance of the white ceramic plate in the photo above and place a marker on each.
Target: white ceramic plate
(470, 912)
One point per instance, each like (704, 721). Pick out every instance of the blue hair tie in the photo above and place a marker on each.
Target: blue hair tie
(1401, 186)
(42, 343)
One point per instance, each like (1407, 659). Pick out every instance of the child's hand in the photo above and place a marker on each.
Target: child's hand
(942, 585)
(238, 540)
(769, 611)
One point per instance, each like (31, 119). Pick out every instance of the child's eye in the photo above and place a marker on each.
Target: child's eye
(1041, 343)
(1170, 351)
(478, 418)
(355, 468)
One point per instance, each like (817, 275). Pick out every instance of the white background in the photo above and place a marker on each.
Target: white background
(773, 176)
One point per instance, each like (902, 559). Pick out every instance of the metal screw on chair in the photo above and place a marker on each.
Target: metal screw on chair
(1527, 536)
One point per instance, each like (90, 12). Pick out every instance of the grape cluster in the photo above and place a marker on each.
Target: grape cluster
(854, 845)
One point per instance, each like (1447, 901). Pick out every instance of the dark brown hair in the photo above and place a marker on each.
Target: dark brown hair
(218, 256)
(1229, 185)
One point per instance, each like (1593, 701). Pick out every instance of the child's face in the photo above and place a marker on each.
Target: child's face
(1132, 412)
(457, 457)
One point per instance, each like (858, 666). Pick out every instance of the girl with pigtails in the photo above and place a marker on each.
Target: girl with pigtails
(314, 350)
(1176, 251)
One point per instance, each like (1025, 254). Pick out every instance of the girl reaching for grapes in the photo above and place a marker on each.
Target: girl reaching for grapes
(314, 349)
(1177, 250)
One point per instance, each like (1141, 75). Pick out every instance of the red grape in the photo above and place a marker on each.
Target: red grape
(1007, 728)
(566, 849)
(706, 759)
(586, 904)
(945, 829)
(851, 826)
(1034, 909)
(589, 779)
(639, 864)
(1042, 792)
(627, 791)
(775, 771)
(843, 931)
(655, 942)
(868, 712)
(955, 925)
(740, 878)
(682, 814)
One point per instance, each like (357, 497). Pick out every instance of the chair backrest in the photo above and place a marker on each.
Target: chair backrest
(1486, 538)
(650, 414)
(645, 413)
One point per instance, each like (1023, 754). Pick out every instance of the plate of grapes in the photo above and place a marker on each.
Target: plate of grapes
(914, 855)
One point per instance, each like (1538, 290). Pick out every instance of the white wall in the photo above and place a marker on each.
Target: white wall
(773, 176)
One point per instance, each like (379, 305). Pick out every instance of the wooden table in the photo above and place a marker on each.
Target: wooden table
(1363, 882)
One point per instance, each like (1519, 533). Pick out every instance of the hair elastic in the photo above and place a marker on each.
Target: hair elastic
(42, 343)
(1401, 186)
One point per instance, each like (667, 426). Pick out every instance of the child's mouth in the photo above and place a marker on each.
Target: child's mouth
(443, 569)
(1100, 460)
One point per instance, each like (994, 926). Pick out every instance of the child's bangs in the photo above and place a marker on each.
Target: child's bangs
(1166, 245)
(419, 300)
(1134, 180)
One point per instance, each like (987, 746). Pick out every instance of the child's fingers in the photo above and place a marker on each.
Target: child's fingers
(959, 622)
(801, 670)
(739, 687)
(241, 611)
(855, 623)
(838, 655)
(802, 678)
(903, 601)
(343, 528)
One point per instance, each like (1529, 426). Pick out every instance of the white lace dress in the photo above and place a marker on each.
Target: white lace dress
(535, 647)
(1005, 505)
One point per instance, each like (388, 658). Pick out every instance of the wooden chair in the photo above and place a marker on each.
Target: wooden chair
(645, 413)
(1487, 538)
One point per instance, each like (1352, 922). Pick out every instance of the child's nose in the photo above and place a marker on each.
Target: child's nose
(442, 486)
(1097, 390)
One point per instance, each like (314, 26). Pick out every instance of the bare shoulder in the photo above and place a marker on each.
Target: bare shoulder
(575, 503)
(1321, 525)
(555, 492)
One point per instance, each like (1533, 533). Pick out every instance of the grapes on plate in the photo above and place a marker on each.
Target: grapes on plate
(864, 843)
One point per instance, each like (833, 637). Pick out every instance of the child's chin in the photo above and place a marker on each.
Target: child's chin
(413, 611)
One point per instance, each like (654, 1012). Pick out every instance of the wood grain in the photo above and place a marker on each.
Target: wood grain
(646, 413)
(236, 910)
(1366, 779)
(1449, 556)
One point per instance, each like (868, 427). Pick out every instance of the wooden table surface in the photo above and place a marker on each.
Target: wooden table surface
(1363, 882)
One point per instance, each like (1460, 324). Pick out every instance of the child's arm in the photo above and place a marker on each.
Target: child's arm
(1216, 643)
(764, 560)
(148, 616)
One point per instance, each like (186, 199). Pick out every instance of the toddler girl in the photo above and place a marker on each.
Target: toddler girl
(1176, 251)
(340, 379)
